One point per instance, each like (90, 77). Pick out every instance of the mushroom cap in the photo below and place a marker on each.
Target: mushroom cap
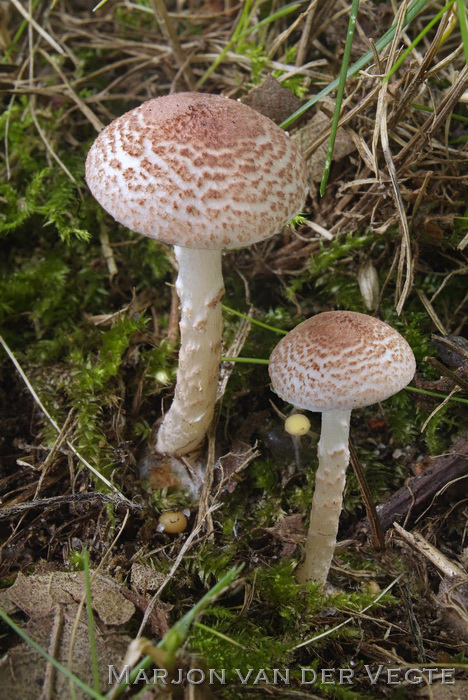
(297, 424)
(340, 360)
(198, 171)
(172, 521)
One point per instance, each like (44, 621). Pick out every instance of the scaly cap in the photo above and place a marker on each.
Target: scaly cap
(198, 171)
(340, 360)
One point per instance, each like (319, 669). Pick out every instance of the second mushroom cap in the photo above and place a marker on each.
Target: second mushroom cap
(340, 360)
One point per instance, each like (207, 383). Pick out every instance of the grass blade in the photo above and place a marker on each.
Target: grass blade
(414, 10)
(242, 30)
(234, 38)
(34, 645)
(254, 320)
(176, 636)
(246, 360)
(340, 92)
(463, 26)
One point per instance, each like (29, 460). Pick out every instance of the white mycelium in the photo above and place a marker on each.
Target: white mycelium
(200, 172)
(332, 363)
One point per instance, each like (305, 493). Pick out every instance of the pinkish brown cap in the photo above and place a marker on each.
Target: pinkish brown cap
(198, 171)
(340, 360)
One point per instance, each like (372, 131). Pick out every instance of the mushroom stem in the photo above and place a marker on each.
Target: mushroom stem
(200, 289)
(333, 453)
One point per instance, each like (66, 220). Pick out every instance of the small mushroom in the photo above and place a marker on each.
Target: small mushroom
(332, 363)
(172, 522)
(204, 173)
(298, 424)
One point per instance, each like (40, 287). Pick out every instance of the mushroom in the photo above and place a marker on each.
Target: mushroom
(172, 522)
(332, 363)
(297, 424)
(204, 173)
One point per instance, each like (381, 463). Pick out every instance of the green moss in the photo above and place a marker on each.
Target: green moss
(251, 648)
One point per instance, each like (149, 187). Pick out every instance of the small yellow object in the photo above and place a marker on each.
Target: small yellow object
(297, 424)
(172, 522)
(372, 587)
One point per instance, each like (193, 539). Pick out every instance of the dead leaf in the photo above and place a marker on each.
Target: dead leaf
(234, 463)
(289, 529)
(144, 578)
(24, 670)
(309, 133)
(272, 100)
(36, 595)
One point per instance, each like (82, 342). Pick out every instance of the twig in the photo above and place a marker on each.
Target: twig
(432, 123)
(445, 371)
(420, 75)
(55, 642)
(88, 113)
(343, 120)
(171, 37)
(420, 491)
(431, 311)
(304, 41)
(107, 252)
(438, 408)
(440, 561)
(58, 160)
(66, 430)
(8, 512)
(405, 251)
(38, 28)
(377, 532)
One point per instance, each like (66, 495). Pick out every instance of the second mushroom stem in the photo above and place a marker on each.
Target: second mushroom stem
(200, 289)
(333, 452)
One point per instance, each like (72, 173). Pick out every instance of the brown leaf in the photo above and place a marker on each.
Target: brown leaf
(24, 675)
(272, 100)
(234, 463)
(37, 595)
(289, 529)
(309, 133)
(144, 578)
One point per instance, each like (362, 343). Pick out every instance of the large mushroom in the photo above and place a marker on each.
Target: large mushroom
(204, 173)
(332, 363)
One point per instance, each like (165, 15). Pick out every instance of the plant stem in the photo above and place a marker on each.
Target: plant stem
(200, 289)
(254, 320)
(339, 93)
(463, 26)
(333, 453)
(437, 394)
(246, 360)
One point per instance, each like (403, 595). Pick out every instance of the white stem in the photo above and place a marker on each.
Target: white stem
(200, 289)
(333, 454)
